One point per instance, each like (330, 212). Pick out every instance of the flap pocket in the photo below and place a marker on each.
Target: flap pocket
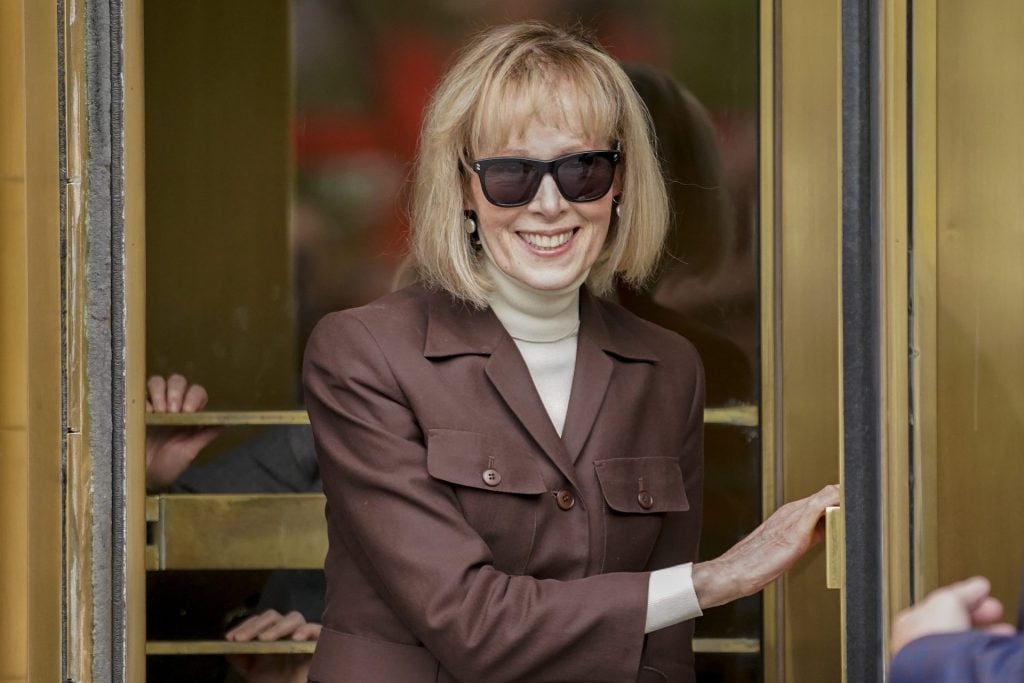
(642, 484)
(475, 460)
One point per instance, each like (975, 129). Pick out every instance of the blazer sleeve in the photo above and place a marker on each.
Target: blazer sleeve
(429, 564)
(679, 540)
(967, 657)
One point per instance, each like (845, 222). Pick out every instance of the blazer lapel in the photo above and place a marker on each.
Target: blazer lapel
(589, 386)
(454, 329)
(598, 341)
(510, 376)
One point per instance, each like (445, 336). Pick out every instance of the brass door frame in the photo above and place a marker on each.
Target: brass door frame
(800, 256)
(967, 162)
(46, 427)
(800, 415)
(83, 223)
(772, 625)
(923, 201)
(803, 341)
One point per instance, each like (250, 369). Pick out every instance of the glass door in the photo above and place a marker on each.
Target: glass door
(278, 147)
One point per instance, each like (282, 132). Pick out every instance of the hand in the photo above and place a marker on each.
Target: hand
(170, 450)
(765, 554)
(271, 625)
(950, 609)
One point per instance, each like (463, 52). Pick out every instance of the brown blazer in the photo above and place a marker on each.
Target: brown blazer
(468, 542)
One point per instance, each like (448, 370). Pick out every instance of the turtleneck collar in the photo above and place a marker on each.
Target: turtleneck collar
(533, 315)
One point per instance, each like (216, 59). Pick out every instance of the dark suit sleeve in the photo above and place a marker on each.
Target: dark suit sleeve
(279, 460)
(679, 539)
(407, 532)
(969, 657)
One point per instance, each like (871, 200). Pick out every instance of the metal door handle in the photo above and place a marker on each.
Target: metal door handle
(835, 545)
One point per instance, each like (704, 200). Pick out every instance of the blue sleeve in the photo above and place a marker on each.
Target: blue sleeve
(970, 657)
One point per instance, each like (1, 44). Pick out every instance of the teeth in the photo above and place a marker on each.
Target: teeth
(546, 241)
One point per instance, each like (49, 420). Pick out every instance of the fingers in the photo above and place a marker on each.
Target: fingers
(156, 388)
(988, 612)
(283, 627)
(176, 387)
(307, 632)
(251, 627)
(950, 609)
(174, 395)
(816, 506)
(269, 625)
(827, 497)
(971, 592)
(195, 398)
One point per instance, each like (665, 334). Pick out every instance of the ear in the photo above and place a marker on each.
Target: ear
(617, 183)
(468, 196)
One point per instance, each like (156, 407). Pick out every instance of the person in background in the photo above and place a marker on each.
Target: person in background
(956, 635)
(699, 244)
(279, 460)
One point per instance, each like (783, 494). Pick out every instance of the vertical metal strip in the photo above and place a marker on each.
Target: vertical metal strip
(105, 331)
(62, 169)
(861, 328)
(924, 290)
(118, 392)
(773, 638)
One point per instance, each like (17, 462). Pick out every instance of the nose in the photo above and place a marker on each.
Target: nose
(548, 200)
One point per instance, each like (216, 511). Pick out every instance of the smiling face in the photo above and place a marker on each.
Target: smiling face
(549, 242)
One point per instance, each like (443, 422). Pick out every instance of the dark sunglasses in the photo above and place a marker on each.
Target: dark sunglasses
(580, 177)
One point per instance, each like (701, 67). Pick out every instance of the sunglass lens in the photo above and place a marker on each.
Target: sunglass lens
(585, 177)
(510, 182)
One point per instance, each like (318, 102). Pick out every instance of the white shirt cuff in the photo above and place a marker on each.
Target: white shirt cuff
(671, 598)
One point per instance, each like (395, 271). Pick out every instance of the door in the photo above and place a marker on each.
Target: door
(283, 138)
(274, 160)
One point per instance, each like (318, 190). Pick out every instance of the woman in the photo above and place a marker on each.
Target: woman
(507, 458)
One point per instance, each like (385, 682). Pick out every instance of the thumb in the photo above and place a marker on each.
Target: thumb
(971, 592)
(207, 435)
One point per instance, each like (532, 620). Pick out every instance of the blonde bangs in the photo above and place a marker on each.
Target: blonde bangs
(572, 96)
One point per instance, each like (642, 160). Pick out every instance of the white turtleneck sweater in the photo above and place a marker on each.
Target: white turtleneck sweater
(544, 326)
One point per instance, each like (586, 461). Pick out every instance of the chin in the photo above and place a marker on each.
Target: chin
(550, 283)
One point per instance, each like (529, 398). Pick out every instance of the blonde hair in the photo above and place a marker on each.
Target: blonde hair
(533, 66)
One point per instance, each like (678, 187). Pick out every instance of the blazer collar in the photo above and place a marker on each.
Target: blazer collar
(455, 328)
(598, 324)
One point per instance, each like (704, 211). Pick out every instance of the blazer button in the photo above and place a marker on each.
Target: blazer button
(565, 499)
(491, 477)
(645, 499)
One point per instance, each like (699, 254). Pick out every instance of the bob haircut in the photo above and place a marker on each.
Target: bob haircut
(505, 78)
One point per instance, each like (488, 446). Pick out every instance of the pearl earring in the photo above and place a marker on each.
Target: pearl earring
(469, 223)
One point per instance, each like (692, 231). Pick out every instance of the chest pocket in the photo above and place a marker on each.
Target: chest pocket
(638, 492)
(498, 488)
(642, 485)
(474, 460)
